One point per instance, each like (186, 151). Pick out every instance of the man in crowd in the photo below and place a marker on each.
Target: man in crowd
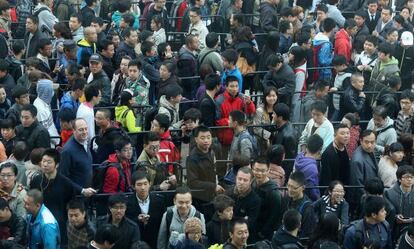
(99, 79)
(174, 218)
(239, 234)
(285, 134)
(87, 46)
(207, 104)
(353, 99)
(385, 24)
(288, 233)
(33, 35)
(198, 27)
(404, 53)
(107, 53)
(128, 231)
(145, 208)
(43, 229)
(105, 238)
(76, 161)
(243, 142)
(127, 47)
(80, 230)
(85, 110)
(12, 226)
(168, 152)
(75, 26)
(384, 126)
(21, 98)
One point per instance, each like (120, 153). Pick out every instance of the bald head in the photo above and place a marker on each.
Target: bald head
(80, 130)
(90, 34)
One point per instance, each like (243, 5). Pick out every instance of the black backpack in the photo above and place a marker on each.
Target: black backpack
(150, 115)
(43, 28)
(99, 174)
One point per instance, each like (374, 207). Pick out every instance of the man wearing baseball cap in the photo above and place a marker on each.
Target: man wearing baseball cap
(99, 79)
(404, 53)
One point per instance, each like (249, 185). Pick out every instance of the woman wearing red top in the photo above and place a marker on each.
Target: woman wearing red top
(351, 120)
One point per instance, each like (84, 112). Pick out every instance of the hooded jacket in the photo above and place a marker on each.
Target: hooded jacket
(113, 182)
(386, 134)
(68, 102)
(35, 136)
(177, 225)
(325, 55)
(403, 203)
(168, 152)
(382, 70)
(127, 120)
(46, 18)
(85, 50)
(284, 80)
(308, 166)
(166, 107)
(226, 104)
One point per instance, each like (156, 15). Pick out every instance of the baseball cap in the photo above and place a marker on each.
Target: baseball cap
(126, 95)
(407, 38)
(96, 58)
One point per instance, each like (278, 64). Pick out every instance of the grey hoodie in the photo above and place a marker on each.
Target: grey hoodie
(165, 106)
(386, 135)
(46, 17)
(177, 225)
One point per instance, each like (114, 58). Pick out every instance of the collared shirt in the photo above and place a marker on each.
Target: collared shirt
(144, 204)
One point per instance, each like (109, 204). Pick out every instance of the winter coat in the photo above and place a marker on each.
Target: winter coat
(31, 48)
(383, 70)
(166, 108)
(308, 166)
(122, 50)
(217, 230)
(177, 225)
(325, 55)
(114, 182)
(8, 83)
(201, 174)
(44, 230)
(16, 228)
(268, 17)
(102, 82)
(284, 80)
(76, 163)
(140, 87)
(287, 136)
(46, 18)
(325, 131)
(343, 44)
(351, 102)
(128, 231)
(284, 240)
(359, 38)
(363, 166)
(386, 134)
(85, 50)
(68, 102)
(334, 166)
(378, 232)
(162, 85)
(4, 107)
(387, 170)
(126, 117)
(211, 57)
(35, 136)
(402, 202)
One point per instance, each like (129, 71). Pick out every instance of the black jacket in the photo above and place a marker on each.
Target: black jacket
(149, 232)
(122, 50)
(87, 16)
(284, 80)
(31, 48)
(404, 243)
(201, 174)
(8, 83)
(35, 136)
(351, 102)
(128, 230)
(359, 38)
(372, 24)
(4, 107)
(287, 136)
(405, 59)
(108, 66)
(270, 215)
(304, 206)
(105, 144)
(217, 231)
(248, 205)
(162, 85)
(14, 113)
(284, 240)
(268, 17)
(17, 229)
(102, 82)
(208, 107)
(334, 166)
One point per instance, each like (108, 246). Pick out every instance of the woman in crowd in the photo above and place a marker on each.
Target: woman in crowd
(264, 116)
(333, 202)
(352, 121)
(124, 114)
(388, 164)
(406, 139)
(61, 32)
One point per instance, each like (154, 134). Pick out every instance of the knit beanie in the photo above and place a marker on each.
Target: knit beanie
(45, 90)
(193, 224)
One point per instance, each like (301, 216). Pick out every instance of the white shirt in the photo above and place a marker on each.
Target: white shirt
(200, 30)
(144, 204)
(86, 113)
(45, 118)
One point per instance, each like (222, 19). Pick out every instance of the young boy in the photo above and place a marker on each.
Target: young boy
(341, 82)
(230, 57)
(306, 163)
(318, 124)
(405, 116)
(66, 116)
(138, 83)
(217, 229)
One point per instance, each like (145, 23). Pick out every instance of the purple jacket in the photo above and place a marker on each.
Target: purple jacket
(308, 166)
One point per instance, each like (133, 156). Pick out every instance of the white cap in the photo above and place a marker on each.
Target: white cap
(407, 38)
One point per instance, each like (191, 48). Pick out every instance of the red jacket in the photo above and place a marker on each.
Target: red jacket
(111, 181)
(168, 152)
(227, 104)
(343, 45)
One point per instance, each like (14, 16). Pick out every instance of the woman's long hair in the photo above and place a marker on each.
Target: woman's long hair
(326, 230)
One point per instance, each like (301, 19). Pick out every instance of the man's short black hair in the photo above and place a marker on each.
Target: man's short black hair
(4, 204)
(236, 221)
(18, 91)
(105, 44)
(238, 116)
(372, 39)
(339, 60)
(30, 108)
(405, 169)
(314, 143)
(76, 204)
(129, 19)
(407, 94)
(319, 106)
(172, 91)
(151, 137)
(284, 25)
(374, 186)
(42, 43)
(230, 55)
(380, 111)
(66, 115)
(139, 175)
(273, 60)
(128, 31)
(231, 78)
(322, 7)
(34, 18)
(329, 24)
(98, 20)
(146, 47)
(135, 63)
(17, 46)
(303, 38)
(79, 84)
(7, 123)
(196, 10)
(78, 16)
(349, 24)
(211, 81)
(20, 151)
(193, 114)
(222, 201)
(162, 120)
(373, 204)
(361, 13)
(117, 199)
(385, 48)
(212, 39)
(90, 92)
(298, 177)
(201, 128)
(182, 190)
(275, 154)
(282, 110)
(366, 133)
(53, 153)
(4, 65)
(291, 220)
(10, 165)
(121, 142)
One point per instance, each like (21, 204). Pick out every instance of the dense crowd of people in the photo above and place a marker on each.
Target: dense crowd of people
(206, 124)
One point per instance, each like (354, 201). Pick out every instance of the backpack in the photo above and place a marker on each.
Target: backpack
(360, 232)
(170, 214)
(99, 175)
(302, 206)
(187, 67)
(44, 29)
(253, 141)
(315, 74)
(150, 115)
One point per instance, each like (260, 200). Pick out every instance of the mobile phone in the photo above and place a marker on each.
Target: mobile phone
(247, 93)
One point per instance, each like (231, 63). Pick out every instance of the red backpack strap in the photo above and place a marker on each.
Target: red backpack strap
(303, 90)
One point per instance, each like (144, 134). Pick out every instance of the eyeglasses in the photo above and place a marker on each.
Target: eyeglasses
(118, 207)
(407, 177)
(4, 176)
